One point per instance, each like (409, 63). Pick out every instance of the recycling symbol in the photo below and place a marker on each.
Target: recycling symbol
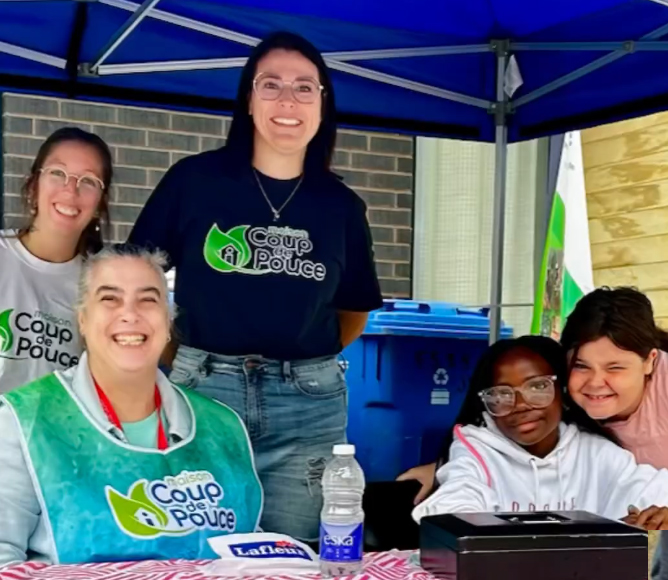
(441, 377)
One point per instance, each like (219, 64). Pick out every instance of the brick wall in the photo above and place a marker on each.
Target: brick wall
(146, 142)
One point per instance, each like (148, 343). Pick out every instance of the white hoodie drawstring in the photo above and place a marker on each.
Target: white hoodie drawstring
(536, 482)
(562, 495)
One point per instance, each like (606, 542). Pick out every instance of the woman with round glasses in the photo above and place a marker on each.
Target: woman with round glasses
(274, 274)
(66, 199)
(520, 445)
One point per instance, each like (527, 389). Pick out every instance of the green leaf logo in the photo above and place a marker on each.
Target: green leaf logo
(6, 333)
(137, 515)
(229, 251)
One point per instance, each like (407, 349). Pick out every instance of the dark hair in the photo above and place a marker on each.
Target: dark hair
(91, 239)
(242, 130)
(624, 315)
(552, 353)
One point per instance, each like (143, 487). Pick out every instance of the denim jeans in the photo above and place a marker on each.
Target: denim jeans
(660, 562)
(295, 413)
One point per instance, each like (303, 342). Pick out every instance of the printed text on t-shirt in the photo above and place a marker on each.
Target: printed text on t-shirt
(37, 335)
(261, 251)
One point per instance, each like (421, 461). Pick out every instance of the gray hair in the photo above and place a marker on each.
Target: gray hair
(157, 260)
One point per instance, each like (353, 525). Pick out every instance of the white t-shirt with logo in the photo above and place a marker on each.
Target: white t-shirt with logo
(38, 325)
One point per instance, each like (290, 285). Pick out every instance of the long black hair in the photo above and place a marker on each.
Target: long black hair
(624, 315)
(482, 378)
(240, 137)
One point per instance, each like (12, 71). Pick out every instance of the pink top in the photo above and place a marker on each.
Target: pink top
(645, 433)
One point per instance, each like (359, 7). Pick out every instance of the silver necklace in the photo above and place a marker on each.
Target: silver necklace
(276, 212)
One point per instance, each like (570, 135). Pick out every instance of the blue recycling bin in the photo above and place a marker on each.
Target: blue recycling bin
(407, 377)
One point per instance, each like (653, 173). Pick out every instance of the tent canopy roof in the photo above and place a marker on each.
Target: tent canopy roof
(423, 67)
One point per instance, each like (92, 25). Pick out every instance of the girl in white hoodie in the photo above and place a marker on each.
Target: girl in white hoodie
(521, 445)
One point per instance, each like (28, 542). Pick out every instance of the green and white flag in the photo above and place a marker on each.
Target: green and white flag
(566, 272)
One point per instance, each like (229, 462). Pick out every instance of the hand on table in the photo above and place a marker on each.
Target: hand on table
(652, 518)
(425, 475)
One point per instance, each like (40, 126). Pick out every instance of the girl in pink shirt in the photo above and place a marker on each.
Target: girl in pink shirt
(619, 369)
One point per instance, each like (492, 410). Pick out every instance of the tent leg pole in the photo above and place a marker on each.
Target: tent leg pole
(499, 216)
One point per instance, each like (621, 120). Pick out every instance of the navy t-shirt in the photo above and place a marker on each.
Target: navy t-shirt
(246, 284)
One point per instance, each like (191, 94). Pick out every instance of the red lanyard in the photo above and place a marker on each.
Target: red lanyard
(111, 414)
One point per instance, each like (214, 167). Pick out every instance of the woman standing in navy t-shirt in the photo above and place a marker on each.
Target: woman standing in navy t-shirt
(275, 274)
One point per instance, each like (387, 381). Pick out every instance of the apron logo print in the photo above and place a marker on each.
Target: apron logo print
(137, 515)
(173, 506)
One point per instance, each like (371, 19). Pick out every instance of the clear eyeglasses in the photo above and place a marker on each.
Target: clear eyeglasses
(538, 393)
(269, 87)
(85, 183)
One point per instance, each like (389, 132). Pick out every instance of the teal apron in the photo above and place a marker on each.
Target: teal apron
(107, 501)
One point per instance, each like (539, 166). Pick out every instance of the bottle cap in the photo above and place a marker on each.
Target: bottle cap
(344, 450)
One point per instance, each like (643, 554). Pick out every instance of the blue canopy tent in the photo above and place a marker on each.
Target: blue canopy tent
(488, 70)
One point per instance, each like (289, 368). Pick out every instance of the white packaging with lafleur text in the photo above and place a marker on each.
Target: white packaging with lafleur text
(261, 553)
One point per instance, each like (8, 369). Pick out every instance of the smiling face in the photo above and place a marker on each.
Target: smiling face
(607, 381)
(535, 429)
(125, 316)
(284, 124)
(68, 209)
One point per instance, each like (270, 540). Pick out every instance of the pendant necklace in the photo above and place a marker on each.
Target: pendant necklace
(276, 212)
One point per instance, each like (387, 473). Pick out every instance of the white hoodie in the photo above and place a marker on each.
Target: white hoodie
(488, 472)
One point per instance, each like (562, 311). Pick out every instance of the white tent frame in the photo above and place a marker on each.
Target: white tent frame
(341, 61)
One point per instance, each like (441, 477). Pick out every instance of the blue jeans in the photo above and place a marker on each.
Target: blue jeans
(295, 413)
(659, 569)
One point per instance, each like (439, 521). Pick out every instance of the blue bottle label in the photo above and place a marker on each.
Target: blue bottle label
(341, 543)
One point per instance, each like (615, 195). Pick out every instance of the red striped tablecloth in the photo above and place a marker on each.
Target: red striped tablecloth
(383, 566)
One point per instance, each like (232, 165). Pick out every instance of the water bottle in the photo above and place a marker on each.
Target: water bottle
(342, 517)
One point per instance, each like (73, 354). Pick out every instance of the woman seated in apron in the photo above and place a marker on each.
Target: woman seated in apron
(110, 461)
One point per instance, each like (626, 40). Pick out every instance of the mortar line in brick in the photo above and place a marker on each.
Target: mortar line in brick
(399, 209)
(24, 135)
(184, 133)
(147, 167)
(394, 136)
(377, 153)
(345, 149)
(386, 172)
(38, 117)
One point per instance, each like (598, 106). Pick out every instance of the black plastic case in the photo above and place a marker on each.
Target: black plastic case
(543, 545)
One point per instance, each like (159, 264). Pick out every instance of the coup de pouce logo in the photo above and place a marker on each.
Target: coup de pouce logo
(171, 506)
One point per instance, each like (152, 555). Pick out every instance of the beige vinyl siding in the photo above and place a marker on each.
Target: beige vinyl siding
(626, 176)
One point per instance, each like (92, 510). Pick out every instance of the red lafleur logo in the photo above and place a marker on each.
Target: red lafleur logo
(284, 544)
